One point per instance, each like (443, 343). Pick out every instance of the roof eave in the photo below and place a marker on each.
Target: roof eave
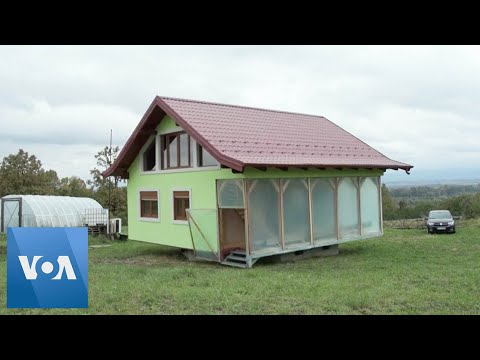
(405, 167)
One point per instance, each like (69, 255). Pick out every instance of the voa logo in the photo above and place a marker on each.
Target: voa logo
(47, 267)
(30, 269)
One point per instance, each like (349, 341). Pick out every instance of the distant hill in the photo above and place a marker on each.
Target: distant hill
(432, 192)
(447, 176)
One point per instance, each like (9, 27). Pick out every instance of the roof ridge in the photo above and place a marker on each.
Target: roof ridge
(239, 106)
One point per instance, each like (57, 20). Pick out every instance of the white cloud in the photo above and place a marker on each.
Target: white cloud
(416, 104)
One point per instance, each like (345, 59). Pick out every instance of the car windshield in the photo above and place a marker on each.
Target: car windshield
(444, 214)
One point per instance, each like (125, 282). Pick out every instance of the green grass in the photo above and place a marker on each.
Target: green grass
(404, 272)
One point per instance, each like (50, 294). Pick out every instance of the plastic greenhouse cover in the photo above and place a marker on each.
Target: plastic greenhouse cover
(349, 225)
(52, 211)
(370, 202)
(296, 212)
(230, 194)
(203, 230)
(263, 215)
(323, 210)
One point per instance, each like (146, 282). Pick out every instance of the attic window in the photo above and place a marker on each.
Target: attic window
(176, 151)
(149, 158)
(204, 158)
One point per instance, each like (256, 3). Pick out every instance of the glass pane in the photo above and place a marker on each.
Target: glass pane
(203, 229)
(154, 208)
(296, 213)
(172, 148)
(164, 152)
(230, 194)
(11, 214)
(348, 209)
(178, 208)
(181, 205)
(144, 207)
(207, 159)
(323, 211)
(263, 215)
(369, 199)
(193, 159)
(184, 153)
(149, 159)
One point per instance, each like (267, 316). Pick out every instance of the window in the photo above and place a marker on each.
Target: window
(176, 151)
(348, 208)
(324, 214)
(149, 204)
(181, 202)
(204, 158)
(149, 158)
(370, 206)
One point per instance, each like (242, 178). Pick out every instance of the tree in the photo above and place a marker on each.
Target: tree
(105, 159)
(388, 204)
(73, 186)
(22, 173)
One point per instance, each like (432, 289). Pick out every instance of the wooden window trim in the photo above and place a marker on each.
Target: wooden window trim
(166, 148)
(150, 199)
(179, 205)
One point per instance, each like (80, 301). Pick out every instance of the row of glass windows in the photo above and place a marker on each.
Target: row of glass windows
(149, 204)
(280, 210)
(176, 152)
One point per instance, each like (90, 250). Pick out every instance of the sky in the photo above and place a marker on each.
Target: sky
(414, 104)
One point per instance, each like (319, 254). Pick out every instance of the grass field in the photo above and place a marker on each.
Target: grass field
(404, 272)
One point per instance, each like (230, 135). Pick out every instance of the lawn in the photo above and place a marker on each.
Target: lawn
(403, 272)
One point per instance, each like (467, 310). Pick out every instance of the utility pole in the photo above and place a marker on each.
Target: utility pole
(109, 185)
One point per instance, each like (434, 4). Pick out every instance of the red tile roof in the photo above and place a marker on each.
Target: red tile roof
(239, 136)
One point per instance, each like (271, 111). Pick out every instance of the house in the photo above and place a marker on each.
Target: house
(233, 184)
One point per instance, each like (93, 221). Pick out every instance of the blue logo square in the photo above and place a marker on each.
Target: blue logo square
(47, 267)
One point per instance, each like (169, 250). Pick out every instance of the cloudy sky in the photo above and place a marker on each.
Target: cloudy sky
(415, 104)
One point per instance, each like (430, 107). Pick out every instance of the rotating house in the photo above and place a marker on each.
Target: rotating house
(233, 184)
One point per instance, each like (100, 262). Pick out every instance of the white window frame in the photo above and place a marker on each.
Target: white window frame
(172, 202)
(158, 146)
(139, 204)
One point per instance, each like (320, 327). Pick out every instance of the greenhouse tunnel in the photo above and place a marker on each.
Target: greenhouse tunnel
(44, 211)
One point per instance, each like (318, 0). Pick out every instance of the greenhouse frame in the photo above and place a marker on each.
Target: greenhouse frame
(234, 184)
(45, 211)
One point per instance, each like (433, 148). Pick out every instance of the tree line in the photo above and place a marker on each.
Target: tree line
(433, 191)
(23, 174)
(397, 207)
